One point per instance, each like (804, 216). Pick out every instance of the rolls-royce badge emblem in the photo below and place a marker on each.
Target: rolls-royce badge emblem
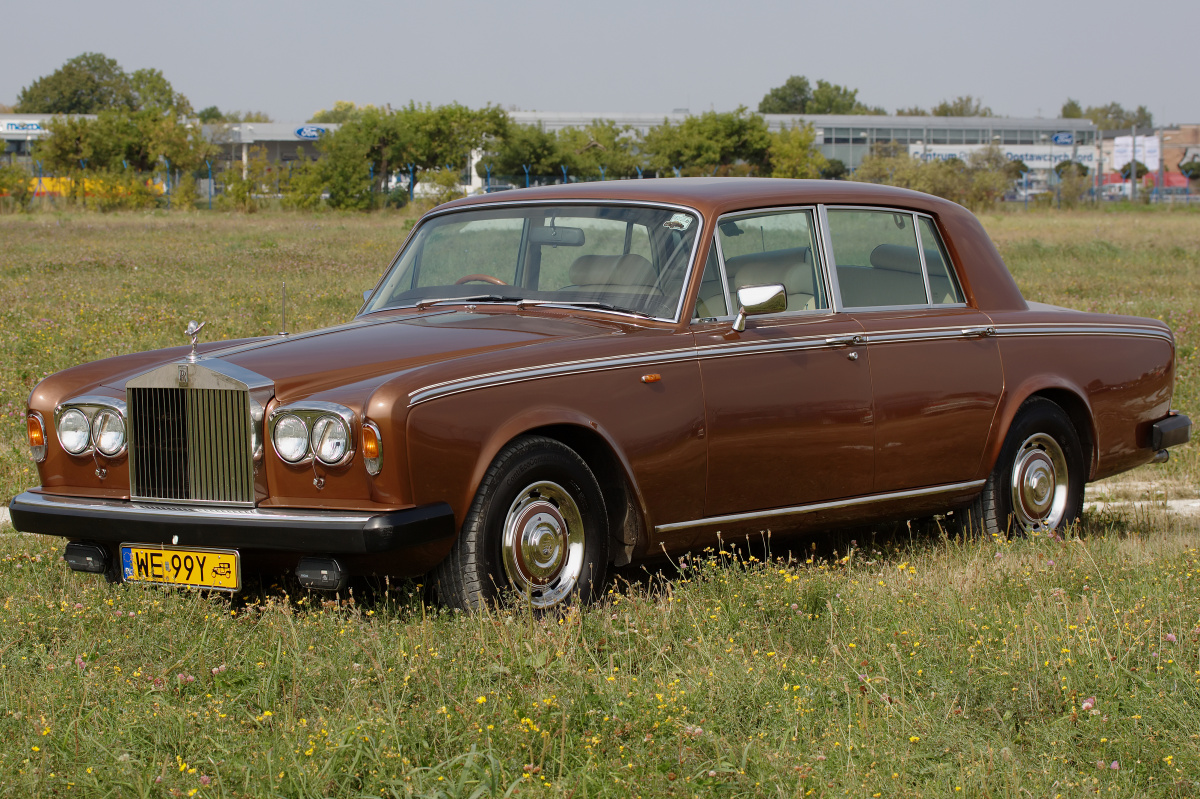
(183, 374)
(193, 330)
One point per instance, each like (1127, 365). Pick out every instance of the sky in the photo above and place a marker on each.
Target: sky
(1022, 58)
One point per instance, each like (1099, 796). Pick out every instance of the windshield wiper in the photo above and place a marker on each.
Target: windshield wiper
(605, 306)
(423, 304)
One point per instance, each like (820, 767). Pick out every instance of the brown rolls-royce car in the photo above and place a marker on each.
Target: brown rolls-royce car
(546, 384)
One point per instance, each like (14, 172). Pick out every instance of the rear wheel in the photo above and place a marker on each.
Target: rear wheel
(1037, 483)
(537, 529)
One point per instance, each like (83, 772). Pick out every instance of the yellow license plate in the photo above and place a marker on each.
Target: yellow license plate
(203, 568)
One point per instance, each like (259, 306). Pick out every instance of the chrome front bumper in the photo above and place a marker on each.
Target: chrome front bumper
(267, 529)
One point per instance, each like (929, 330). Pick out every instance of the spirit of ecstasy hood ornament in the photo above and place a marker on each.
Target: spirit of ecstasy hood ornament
(193, 330)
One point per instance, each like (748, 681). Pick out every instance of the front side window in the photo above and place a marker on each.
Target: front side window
(711, 302)
(877, 259)
(623, 258)
(773, 248)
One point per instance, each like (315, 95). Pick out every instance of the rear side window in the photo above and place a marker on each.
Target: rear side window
(877, 259)
(942, 285)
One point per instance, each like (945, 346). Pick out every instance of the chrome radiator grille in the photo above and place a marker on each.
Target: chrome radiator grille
(190, 445)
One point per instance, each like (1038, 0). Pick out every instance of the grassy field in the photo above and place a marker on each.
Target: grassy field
(892, 664)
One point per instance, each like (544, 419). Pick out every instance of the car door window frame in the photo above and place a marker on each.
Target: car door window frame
(829, 258)
(819, 271)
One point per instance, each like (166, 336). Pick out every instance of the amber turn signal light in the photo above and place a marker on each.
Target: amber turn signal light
(370, 442)
(652, 378)
(37, 436)
(36, 431)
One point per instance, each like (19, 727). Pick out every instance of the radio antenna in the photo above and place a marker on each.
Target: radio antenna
(283, 308)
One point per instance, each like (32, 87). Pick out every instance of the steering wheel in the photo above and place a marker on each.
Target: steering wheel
(495, 281)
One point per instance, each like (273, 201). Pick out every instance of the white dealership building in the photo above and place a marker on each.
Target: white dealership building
(1040, 143)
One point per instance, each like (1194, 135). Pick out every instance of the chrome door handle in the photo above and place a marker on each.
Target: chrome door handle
(839, 341)
(978, 332)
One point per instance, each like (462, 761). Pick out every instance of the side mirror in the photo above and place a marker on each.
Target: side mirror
(754, 300)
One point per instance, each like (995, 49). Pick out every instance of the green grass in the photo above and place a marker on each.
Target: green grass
(899, 665)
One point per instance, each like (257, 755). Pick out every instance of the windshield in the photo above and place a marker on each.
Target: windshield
(623, 258)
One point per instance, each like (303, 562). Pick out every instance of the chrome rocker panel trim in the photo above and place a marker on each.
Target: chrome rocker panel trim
(971, 485)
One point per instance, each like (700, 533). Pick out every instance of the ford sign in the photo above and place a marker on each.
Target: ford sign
(309, 132)
(1064, 139)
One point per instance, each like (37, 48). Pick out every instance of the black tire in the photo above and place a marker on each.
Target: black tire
(539, 493)
(1040, 447)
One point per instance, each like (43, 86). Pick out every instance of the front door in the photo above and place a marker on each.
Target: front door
(788, 400)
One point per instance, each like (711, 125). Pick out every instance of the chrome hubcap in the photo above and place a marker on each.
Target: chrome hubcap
(542, 546)
(1039, 484)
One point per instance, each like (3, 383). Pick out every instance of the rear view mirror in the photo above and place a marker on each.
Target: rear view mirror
(557, 236)
(753, 300)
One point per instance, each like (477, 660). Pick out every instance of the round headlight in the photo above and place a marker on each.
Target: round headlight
(330, 439)
(73, 431)
(291, 438)
(108, 432)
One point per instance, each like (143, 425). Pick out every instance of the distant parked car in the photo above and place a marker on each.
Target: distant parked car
(576, 376)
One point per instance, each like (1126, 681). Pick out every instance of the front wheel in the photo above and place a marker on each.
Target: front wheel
(537, 530)
(1037, 483)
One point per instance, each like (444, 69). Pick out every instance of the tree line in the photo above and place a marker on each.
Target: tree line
(143, 125)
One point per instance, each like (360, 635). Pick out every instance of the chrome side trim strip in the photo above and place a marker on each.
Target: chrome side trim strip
(970, 485)
(520, 374)
(147, 510)
(1083, 330)
(551, 370)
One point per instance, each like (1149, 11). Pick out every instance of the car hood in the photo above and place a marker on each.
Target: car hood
(380, 346)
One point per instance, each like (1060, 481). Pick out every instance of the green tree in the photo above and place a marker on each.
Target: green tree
(153, 92)
(835, 169)
(964, 106)
(244, 189)
(362, 154)
(210, 115)
(988, 177)
(86, 84)
(914, 111)
(830, 98)
(1142, 170)
(790, 98)
(342, 111)
(702, 144)
(795, 155)
(304, 187)
(1114, 117)
(14, 187)
(601, 144)
(1191, 169)
(949, 178)
(118, 140)
(93, 83)
(1071, 109)
(521, 146)
(1063, 168)
(246, 116)
(1017, 168)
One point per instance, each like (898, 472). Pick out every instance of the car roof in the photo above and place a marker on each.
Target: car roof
(722, 195)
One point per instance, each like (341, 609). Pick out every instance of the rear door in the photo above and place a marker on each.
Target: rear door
(936, 375)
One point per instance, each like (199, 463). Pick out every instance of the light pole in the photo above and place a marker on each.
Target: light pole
(1049, 160)
(242, 129)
